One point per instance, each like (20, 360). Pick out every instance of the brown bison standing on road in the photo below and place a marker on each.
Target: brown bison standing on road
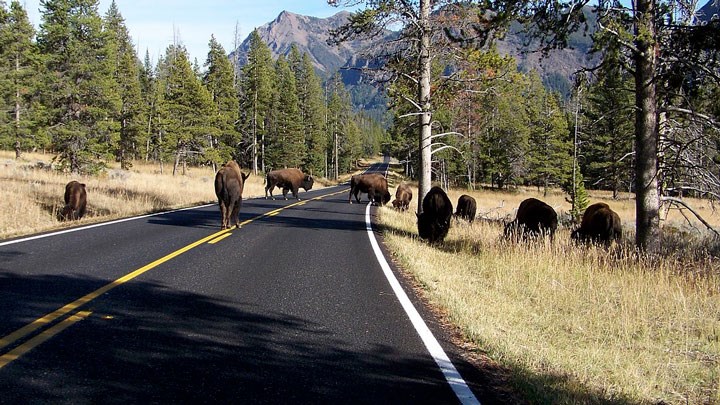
(534, 218)
(75, 201)
(434, 222)
(229, 183)
(374, 184)
(599, 224)
(466, 208)
(403, 196)
(287, 179)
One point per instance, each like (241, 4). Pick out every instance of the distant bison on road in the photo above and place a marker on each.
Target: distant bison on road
(403, 196)
(374, 184)
(229, 184)
(599, 224)
(434, 222)
(466, 208)
(75, 201)
(534, 218)
(287, 179)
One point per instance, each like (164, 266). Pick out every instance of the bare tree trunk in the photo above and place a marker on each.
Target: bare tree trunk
(425, 118)
(647, 197)
(18, 150)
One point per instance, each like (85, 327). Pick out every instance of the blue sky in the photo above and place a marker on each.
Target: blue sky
(153, 23)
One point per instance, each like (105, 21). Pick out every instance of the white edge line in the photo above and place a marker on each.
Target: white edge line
(82, 228)
(453, 377)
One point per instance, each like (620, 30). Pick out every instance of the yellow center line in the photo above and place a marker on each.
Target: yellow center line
(219, 238)
(53, 316)
(41, 338)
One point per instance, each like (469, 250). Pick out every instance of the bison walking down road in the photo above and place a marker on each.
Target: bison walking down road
(534, 218)
(374, 184)
(75, 201)
(434, 222)
(229, 184)
(599, 224)
(287, 179)
(466, 208)
(403, 196)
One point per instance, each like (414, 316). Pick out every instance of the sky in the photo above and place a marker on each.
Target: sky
(154, 23)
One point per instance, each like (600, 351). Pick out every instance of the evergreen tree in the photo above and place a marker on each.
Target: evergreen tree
(607, 136)
(187, 123)
(286, 144)
(312, 116)
(80, 93)
(132, 112)
(342, 129)
(19, 82)
(549, 155)
(258, 76)
(218, 80)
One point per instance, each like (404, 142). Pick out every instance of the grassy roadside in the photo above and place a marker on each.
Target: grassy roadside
(33, 193)
(575, 325)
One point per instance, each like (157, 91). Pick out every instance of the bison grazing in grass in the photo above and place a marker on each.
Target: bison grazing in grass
(75, 201)
(287, 179)
(229, 183)
(599, 224)
(466, 208)
(534, 218)
(403, 196)
(434, 222)
(374, 184)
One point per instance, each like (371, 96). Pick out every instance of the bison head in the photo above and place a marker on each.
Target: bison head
(307, 182)
(432, 229)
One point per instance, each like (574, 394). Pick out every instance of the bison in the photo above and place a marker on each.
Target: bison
(229, 183)
(75, 201)
(599, 224)
(534, 218)
(434, 221)
(287, 179)
(466, 208)
(374, 184)
(403, 196)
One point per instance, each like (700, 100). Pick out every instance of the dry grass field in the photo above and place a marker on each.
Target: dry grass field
(33, 193)
(570, 324)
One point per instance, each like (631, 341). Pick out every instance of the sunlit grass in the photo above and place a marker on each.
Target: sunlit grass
(33, 193)
(574, 324)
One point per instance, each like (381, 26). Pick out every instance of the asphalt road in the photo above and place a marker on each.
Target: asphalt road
(291, 308)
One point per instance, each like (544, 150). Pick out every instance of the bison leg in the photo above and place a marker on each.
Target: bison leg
(223, 215)
(295, 193)
(235, 213)
(269, 188)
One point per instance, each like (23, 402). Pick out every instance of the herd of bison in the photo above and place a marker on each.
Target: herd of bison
(534, 218)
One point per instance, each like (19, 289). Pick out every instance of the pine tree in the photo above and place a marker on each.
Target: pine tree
(218, 80)
(132, 113)
(286, 143)
(80, 94)
(19, 82)
(312, 113)
(549, 155)
(188, 126)
(342, 129)
(258, 76)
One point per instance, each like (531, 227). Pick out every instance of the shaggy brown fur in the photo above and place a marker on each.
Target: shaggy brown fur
(403, 196)
(466, 208)
(534, 218)
(599, 224)
(229, 184)
(434, 222)
(75, 201)
(374, 184)
(287, 179)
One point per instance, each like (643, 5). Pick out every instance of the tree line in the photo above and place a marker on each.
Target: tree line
(77, 88)
(649, 117)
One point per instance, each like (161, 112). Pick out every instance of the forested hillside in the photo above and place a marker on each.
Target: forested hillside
(78, 89)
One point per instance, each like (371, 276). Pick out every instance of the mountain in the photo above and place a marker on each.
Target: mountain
(310, 35)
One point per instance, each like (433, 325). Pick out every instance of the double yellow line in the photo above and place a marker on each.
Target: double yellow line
(46, 320)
